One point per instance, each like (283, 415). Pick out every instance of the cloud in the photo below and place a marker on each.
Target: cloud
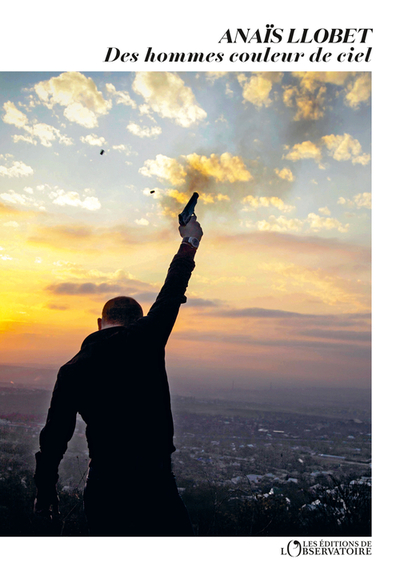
(288, 328)
(24, 139)
(223, 168)
(76, 271)
(71, 198)
(337, 334)
(359, 91)
(144, 132)
(87, 288)
(340, 148)
(362, 200)
(180, 197)
(284, 174)
(57, 196)
(200, 302)
(14, 116)
(142, 222)
(309, 95)
(195, 173)
(168, 96)
(345, 148)
(261, 313)
(257, 87)
(15, 198)
(164, 168)
(14, 169)
(79, 96)
(311, 80)
(322, 324)
(254, 202)
(317, 223)
(46, 134)
(304, 150)
(212, 76)
(213, 198)
(121, 97)
(93, 140)
(119, 282)
(280, 224)
(313, 222)
(309, 106)
(124, 149)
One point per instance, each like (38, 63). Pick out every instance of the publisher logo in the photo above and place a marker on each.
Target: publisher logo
(327, 547)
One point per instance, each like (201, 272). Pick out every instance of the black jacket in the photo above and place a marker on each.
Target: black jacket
(118, 384)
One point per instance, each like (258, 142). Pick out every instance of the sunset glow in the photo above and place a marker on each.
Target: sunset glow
(281, 290)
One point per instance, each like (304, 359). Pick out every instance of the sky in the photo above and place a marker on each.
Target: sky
(281, 292)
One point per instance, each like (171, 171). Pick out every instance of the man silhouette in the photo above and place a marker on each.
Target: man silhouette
(118, 384)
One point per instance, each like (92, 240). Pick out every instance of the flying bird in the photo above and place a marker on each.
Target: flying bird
(102, 152)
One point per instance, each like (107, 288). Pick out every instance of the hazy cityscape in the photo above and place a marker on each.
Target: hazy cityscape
(276, 452)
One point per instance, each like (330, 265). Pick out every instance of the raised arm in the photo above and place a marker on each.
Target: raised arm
(164, 311)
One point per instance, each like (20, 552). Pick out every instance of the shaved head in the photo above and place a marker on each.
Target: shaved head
(121, 311)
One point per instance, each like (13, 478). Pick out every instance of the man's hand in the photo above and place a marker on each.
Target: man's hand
(46, 504)
(47, 518)
(192, 229)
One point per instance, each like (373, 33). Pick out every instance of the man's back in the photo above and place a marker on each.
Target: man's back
(121, 390)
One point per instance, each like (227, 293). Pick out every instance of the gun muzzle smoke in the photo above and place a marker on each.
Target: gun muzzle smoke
(188, 211)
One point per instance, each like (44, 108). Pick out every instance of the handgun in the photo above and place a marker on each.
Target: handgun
(188, 211)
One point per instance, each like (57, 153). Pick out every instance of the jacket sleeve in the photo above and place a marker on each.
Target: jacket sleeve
(164, 311)
(57, 432)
